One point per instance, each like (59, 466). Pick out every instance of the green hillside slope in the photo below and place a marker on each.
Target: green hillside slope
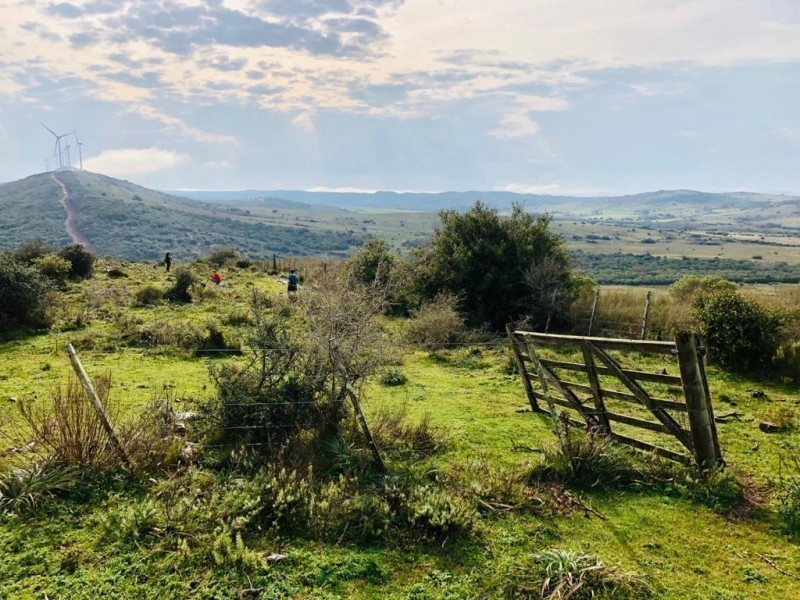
(128, 221)
(29, 209)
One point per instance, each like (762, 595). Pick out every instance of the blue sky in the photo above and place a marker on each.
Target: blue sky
(548, 96)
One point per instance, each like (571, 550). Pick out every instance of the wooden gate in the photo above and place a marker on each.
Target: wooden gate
(608, 393)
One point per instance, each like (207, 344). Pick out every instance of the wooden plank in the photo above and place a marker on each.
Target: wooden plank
(649, 425)
(659, 413)
(681, 458)
(628, 397)
(638, 375)
(648, 347)
(555, 399)
(526, 382)
(591, 420)
(597, 393)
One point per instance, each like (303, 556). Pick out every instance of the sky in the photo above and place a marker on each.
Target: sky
(583, 97)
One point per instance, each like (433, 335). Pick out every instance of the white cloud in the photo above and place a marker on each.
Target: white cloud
(688, 133)
(515, 125)
(304, 121)
(788, 133)
(124, 162)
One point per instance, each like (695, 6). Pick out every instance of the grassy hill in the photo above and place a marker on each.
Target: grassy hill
(128, 221)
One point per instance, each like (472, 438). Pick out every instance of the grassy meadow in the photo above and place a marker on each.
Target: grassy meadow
(680, 539)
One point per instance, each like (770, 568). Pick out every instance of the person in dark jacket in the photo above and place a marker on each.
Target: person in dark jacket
(167, 261)
(293, 281)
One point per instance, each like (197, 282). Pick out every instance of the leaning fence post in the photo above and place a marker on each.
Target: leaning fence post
(526, 382)
(98, 406)
(698, 402)
(646, 314)
(594, 310)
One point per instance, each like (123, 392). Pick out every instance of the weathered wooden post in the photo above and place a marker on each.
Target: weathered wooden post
(526, 382)
(698, 403)
(645, 315)
(274, 262)
(98, 406)
(594, 310)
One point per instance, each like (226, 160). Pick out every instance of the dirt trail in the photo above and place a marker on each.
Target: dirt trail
(69, 223)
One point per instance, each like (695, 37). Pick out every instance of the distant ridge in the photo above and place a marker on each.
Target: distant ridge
(556, 204)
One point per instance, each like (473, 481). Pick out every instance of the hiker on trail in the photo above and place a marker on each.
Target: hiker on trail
(215, 278)
(293, 281)
(167, 261)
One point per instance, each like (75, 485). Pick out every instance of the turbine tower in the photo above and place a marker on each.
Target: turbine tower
(69, 160)
(57, 149)
(80, 149)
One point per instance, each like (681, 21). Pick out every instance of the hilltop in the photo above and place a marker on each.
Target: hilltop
(125, 220)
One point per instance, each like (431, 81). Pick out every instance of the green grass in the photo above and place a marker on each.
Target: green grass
(683, 548)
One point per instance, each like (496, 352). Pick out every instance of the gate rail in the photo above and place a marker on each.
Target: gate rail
(545, 379)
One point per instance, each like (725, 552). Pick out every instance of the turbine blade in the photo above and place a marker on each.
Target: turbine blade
(48, 129)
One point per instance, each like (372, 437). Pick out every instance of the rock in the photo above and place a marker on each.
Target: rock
(768, 427)
(275, 557)
(12, 399)
(186, 416)
(757, 394)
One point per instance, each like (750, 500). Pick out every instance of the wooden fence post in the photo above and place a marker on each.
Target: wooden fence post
(646, 314)
(698, 403)
(274, 262)
(594, 311)
(98, 406)
(362, 421)
(597, 391)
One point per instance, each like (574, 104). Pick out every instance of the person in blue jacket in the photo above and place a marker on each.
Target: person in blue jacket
(293, 281)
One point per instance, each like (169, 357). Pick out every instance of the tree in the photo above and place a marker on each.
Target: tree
(503, 268)
(371, 264)
(82, 261)
(22, 294)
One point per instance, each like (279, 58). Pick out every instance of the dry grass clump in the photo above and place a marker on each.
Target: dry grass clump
(68, 431)
(557, 574)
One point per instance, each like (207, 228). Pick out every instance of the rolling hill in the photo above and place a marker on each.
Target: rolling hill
(121, 219)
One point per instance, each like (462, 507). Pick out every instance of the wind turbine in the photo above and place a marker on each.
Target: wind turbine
(69, 160)
(80, 149)
(57, 149)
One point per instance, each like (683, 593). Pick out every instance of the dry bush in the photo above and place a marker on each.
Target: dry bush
(69, 432)
(437, 325)
(392, 431)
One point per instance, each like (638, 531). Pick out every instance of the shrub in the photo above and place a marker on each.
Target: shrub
(437, 324)
(23, 293)
(26, 488)
(687, 288)
(81, 260)
(787, 360)
(27, 253)
(116, 274)
(440, 512)
(54, 268)
(741, 335)
(222, 254)
(393, 377)
(180, 290)
(244, 263)
(563, 574)
(789, 494)
(149, 295)
(371, 264)
(588, 460)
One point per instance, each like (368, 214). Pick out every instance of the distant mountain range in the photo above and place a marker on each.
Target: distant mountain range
(567, 205)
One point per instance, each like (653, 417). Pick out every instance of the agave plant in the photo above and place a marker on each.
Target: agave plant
(25, 488)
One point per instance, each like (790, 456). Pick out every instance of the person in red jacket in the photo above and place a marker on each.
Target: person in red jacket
(215, 278)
